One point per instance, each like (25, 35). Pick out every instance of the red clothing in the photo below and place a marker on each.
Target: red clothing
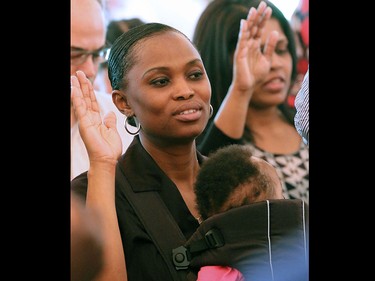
(305, 22)
(219, 273)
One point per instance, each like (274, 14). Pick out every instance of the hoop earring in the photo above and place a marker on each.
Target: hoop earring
(211, 111)
(129, 120)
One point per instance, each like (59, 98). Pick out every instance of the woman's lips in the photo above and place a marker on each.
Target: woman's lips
(191, 111)
(274, 85)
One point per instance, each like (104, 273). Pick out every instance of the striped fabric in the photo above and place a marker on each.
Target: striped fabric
(301, 119)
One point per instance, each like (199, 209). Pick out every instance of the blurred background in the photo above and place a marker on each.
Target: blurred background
(181, 14)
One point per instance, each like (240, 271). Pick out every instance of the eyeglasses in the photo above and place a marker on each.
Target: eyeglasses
(79, 56)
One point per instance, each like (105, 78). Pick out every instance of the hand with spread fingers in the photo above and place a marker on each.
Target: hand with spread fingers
(249, 51)
(103, 144)
(101, 138)
(252, 61)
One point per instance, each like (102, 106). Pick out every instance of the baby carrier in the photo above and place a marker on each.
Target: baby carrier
(267, 240)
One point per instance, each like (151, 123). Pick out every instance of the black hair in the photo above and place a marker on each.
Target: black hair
(123, 56)
(230, 178)
(216, 36)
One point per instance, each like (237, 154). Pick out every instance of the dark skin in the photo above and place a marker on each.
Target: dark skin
(261, 79)
(169, 93)
(86, 244)
(169, 81)
(103, 145)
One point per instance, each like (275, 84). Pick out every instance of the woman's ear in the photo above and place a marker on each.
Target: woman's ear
(120, 100)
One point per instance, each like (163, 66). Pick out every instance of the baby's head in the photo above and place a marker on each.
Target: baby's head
(233, 177)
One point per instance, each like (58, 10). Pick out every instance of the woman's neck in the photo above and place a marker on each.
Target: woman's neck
(180, 164)
(178, 161)
(264, 117)
(272, 132)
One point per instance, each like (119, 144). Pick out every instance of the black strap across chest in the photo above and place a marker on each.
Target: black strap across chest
(164, 231)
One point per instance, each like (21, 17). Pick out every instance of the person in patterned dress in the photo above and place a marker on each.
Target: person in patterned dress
(250, 85)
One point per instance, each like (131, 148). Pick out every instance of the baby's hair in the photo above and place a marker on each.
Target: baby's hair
(230, 178)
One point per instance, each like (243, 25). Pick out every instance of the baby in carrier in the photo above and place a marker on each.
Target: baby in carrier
(248, 230)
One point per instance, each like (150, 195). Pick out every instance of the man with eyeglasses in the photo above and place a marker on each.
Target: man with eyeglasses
(87, 51)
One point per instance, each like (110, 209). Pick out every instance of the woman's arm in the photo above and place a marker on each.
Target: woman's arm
(250, 65)
(103, 145)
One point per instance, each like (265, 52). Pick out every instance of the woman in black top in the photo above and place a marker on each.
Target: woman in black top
(159, 82)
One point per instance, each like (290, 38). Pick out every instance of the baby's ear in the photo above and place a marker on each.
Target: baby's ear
(119, 98)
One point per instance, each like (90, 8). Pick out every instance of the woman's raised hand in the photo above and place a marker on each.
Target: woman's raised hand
(252, 61)
(102, 141)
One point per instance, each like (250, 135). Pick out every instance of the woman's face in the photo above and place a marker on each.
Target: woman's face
(169, 91)
(274, 89)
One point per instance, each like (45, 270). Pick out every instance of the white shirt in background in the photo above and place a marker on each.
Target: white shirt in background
(79, 160)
